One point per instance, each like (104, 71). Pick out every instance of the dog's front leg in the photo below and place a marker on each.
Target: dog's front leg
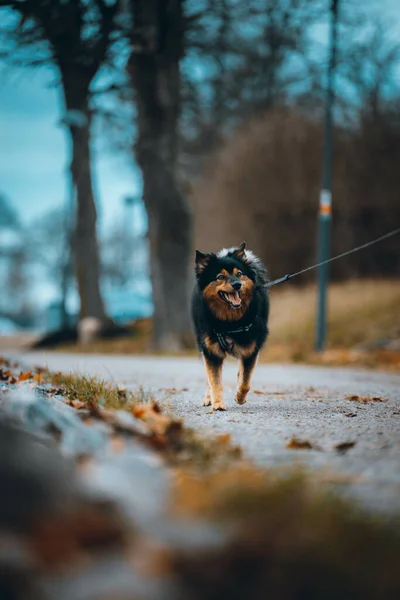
(246, 369)
(214, 376)
(207, 398)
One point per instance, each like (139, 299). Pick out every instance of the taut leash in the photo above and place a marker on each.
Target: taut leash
(290, 276)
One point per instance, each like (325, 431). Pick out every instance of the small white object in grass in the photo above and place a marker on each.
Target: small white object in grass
(88, 329)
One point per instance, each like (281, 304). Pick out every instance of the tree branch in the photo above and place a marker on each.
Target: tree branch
(108, 12)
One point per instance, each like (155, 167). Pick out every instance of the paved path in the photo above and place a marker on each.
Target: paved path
(307, 402)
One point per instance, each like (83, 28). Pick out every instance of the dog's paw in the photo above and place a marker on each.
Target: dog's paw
(219, 405)
(207, 401)
(240, 399)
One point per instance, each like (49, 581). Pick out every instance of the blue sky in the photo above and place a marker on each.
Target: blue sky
(33, 148)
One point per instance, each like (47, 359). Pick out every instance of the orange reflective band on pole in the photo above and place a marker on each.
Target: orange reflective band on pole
(325, 203)
(325, 209)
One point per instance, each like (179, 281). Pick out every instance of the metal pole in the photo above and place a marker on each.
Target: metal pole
(325, 200)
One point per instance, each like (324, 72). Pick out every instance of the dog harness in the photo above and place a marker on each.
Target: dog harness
(222, 339)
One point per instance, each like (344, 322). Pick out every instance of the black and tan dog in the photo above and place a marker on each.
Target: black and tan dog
(230, 313)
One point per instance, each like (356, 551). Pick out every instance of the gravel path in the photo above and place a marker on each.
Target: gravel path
(310, 403)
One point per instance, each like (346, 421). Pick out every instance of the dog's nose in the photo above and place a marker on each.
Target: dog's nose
(236, 285)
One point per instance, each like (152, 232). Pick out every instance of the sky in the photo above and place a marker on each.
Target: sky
(34, 151)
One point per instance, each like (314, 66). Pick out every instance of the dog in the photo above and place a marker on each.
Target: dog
(230, 308)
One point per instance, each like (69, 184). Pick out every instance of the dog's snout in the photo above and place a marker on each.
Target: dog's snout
(236, 285)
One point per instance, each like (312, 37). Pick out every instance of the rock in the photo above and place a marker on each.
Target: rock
(51, 416)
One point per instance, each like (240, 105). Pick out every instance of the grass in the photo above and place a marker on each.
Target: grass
(286, 537)
(361, 312)
(91, 389)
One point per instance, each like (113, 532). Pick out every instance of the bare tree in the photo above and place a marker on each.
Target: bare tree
(75, 36)
(369, 65)
(16, 301)
(157, 41)
(251, 55)
(124, 256)
(47, 241)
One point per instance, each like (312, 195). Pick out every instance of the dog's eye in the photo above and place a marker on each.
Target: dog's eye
(220, 277)
(239, 274)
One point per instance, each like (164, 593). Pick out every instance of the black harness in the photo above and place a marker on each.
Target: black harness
(221, 337)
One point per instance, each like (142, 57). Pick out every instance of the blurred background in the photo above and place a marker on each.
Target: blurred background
(134, 131)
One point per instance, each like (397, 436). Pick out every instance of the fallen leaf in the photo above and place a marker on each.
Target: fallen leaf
(54, 391)
(296, 444)
(25, 376)
(224, 438)
(350, 414)
(7, 376)
(162, 426)
(366, 399)
(344, 446)
(3, 375)
(78, 404)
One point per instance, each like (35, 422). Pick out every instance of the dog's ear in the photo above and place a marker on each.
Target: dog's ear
(239, 252)
(202, 261)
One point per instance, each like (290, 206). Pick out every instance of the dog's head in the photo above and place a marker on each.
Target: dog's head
(228, 280)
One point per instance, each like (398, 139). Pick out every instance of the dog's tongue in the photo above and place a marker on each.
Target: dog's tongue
(235, 298)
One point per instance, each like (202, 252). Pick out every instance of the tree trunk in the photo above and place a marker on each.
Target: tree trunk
(86, 252)
(154, 70)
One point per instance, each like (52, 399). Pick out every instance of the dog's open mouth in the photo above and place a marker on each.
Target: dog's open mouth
(232, 298)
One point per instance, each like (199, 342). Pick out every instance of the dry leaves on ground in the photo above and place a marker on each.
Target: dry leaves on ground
(344, 446)
(297, 444)
(12, 374)
(366, 399)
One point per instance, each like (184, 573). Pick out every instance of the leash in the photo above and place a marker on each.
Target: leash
(290, 276)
